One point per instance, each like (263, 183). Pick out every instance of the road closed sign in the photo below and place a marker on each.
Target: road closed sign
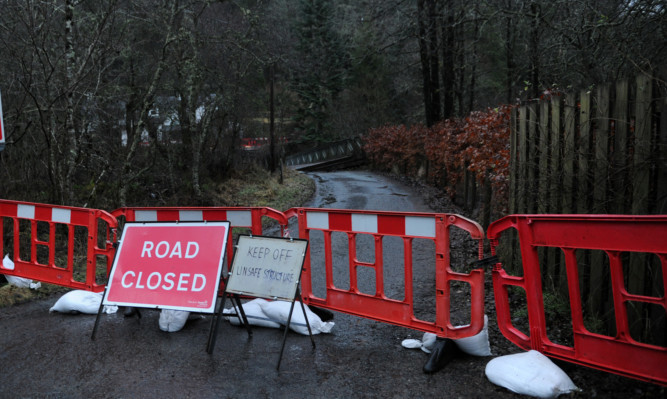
(168, 266)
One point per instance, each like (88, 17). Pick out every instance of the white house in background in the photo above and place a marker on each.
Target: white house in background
(163, 117)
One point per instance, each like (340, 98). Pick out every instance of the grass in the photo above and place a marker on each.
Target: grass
(257, 187)
(12, 295)
(253, 187)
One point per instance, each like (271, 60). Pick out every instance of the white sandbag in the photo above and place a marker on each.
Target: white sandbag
(172, 320)
(20, 282)
(425, 344)
(411, 343)
(428, 342)
(80, 301)
(530, 373)
(279, 311)
(7, 263)
(477, 345)
(253, 312)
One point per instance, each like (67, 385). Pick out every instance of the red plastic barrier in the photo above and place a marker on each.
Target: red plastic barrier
(377, 306)
(45, 244)
(612, 234)
(239, 217)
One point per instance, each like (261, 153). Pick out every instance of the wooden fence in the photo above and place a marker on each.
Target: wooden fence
(601, 151)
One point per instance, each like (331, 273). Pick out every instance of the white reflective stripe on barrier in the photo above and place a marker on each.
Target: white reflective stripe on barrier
(318, 220)
(236, 218)
(240, 218)
(145, 216)
(190, 216)
(417, 226)
(420, 226)
(25, 211)
(60, 215)
(365, 223)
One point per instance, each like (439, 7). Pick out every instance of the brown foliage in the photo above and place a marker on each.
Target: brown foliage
(479, 142)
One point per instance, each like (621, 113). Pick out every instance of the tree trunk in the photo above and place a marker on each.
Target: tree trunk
(127, 175)
(272, 125)
(473, 68)
(534, 51)
(433, 59)
(67, 196)
(448, 77)
(426, 19)
(509, 58)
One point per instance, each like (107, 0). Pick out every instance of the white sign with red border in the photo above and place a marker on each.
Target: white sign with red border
(168, 266)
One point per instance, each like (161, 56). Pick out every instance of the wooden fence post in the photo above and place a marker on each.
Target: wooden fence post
(569, 138)
(583, 186)
(661, 148)
(640, 271)
(544, 176)
(600, 278)
(619, 156)
(531, 161)
(553, 255)
(585, 154)
(642, 153)
(511, 252)
(555, 156)
(522, 183)
(600, 195)
(513, 163)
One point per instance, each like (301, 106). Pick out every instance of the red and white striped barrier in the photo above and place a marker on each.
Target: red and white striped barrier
(378, 306)
(37, 249)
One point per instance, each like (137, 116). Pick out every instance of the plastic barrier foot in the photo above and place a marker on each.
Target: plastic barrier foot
(324, 314)
(443, 352)
(131, 311)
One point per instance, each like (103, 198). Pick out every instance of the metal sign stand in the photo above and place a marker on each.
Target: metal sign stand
(215, 321)
(99, 312)
(256, 257)
(289, 319)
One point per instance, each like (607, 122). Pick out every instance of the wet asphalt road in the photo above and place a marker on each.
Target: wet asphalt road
(364, 190)
(51, 355)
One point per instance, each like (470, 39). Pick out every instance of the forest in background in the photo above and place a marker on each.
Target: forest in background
(110, 103)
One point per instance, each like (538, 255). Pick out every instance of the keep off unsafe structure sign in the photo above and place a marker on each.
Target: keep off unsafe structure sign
(267, 267)
(169, 266)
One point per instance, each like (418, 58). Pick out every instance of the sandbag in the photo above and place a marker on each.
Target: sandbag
(20, 282)
(80, 301)
(530, 373)
(172, 320)
(253, 312)
(411, 343)
(426, 344)
(477, 345)
(279, 311)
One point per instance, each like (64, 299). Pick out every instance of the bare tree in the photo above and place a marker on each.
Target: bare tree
(59, 68)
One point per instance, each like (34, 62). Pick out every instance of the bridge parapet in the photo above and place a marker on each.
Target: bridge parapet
(338, 150)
